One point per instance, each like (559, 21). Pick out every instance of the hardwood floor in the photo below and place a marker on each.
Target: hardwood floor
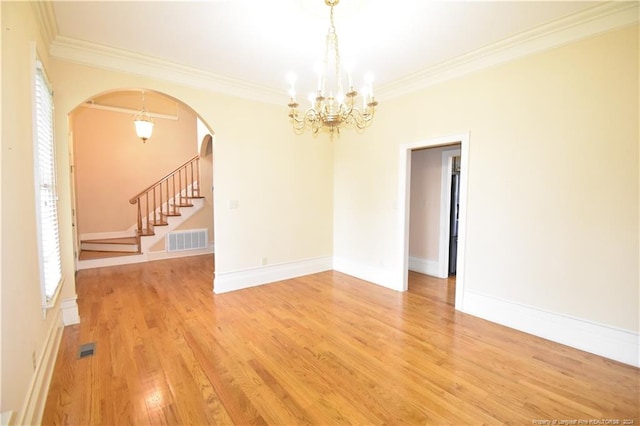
(321, 349)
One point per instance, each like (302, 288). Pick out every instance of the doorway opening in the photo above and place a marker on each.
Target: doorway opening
(448, 223)
(433, 199)
(454, 214)
(110, 164)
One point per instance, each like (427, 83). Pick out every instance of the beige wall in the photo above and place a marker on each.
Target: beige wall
(112, 164)
(23, 328)
(552, 208)
(1, 203)
(426, 187)
(553, 181)
(282, 182)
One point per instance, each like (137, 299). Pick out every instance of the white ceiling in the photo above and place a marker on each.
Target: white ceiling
(260, 41)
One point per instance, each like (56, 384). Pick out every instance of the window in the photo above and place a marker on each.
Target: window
(46, 190)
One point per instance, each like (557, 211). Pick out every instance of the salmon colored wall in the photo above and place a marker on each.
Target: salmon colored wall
(112, 164)
(204, 217)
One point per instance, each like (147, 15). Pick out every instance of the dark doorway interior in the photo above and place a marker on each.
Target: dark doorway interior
(453, 215)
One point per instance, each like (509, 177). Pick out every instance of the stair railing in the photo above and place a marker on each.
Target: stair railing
(167, 195)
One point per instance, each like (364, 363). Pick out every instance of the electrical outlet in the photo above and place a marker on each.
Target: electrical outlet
(33, 359)
(263, 261)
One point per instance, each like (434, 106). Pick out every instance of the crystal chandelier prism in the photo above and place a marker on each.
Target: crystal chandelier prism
(331, 110)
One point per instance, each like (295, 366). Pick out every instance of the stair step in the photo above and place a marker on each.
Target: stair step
(171, 213)
(146, 232)
(118, 245)
(121, 240)
(90, 255)
(194, 197)
(174, 210)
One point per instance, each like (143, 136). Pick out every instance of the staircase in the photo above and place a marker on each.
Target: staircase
(159, 210)
(112, 246)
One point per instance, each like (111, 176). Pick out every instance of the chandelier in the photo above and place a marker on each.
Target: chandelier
(143, 123)
(332, 110)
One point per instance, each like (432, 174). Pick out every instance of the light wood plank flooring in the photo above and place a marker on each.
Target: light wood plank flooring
(322, 349)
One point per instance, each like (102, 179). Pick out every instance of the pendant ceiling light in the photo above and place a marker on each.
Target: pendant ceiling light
(143, 123)
(334, 108)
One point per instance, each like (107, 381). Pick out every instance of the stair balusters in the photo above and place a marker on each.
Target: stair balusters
(179, 186)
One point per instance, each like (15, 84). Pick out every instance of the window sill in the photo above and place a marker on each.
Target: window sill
(51, 303)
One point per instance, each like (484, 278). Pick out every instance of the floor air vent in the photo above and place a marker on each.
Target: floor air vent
(192, 239)
(86, 350)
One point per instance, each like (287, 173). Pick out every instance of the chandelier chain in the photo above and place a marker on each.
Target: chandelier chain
(332, 40)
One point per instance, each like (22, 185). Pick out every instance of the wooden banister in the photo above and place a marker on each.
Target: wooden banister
(164, 197)
(167, 176)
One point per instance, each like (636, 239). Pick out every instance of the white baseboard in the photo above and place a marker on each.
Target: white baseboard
(6, 418)
(237, 280)
(163, 254)
(69, 308)
(424, 266)
(36, 398)
(599, 339)
(373, 274)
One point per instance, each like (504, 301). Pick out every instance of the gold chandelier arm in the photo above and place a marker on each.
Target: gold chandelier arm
(359, 119)
(297, 120)
(328, 111)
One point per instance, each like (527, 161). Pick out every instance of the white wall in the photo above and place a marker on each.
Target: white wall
(553, 180)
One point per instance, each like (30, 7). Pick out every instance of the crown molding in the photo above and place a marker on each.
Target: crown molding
(604, 17)
(46, 18)
(101, 56)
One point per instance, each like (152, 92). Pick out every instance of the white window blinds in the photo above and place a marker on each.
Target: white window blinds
(46, 194)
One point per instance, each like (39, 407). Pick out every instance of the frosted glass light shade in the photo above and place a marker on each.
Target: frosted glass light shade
(144, 126)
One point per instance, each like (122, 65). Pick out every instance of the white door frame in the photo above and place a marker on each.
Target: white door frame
(404, 180)
(74, 200)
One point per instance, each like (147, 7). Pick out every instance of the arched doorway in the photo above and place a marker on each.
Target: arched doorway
(111, 166)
